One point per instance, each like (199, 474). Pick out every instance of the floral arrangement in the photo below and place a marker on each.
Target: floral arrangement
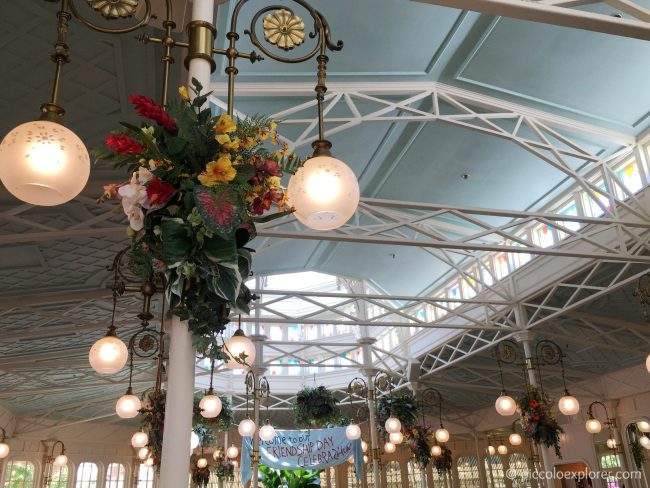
(152, 422)
(444, 462)
(417, 441)
(221, 423)
(539, 423)
(638, 451)
(200, 476)
(315, 407)
(224, 470)
(402, 405)
(198, 185)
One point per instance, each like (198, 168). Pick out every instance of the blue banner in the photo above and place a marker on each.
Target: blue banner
(303, 449)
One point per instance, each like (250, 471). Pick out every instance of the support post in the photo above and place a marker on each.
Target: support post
(258, 371)
(174, 465)
(369, 372)
(482, 478)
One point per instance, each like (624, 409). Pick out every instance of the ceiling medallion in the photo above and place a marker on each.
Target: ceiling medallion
(113, 9)
(284, 29)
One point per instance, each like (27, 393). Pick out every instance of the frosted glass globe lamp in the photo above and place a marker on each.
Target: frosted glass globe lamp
(611, 443)
(324, 191)
(365, 459)
(491, 450)
(128, 406)
(505, 405)
(210, 405)
(139, 440)
(109, 354)
(201, 463)
(436, 450)
(232, 452)
(4, 450)
(392, 425)
(353, 431)
(647, 363)
(644, 441)
(237, 345)
(396, 438)
(143, 453)
(148, 462)
(267, 432)
(246, 428)
(515, 439)
(194, 440)
(593, 426)
(390, 448)
(61, 460)
(43, 163)
(218, 454)
(442, 435)
(364, 446)
(502, 449)
(643, 425)
(569, 404)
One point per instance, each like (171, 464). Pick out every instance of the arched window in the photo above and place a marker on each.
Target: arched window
(59, 477)
(115, 475)
(441, 480)
(519, 471)
(393, 475)
(415, 474)
(494, 471)
(468, 476)
(19, 474)
(145, 476)
(353, 481)
(370, 476)
(328, 478)
(87, 475)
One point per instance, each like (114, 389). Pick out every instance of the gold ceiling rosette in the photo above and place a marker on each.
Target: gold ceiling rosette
(284, 29)
(113, 9)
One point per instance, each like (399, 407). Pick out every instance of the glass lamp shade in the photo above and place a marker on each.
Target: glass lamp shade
(569, 405)
(4, 450)
(502, 449)
(390, 448)
(148, 462)
(210, 406)
(364, 446)
(396, 437)
(232, 452)
(505, 405)
(593, 426)
(217, 454)
(353, 432)
(436, 450)
(514, 439)
(491, 450)
(43, 163)
(393, 425)
(143, 453)
(351, 460)
(108, 355)
(194, 441)
(237, 345)
(442, 435)
(139, 439)
(128, 406)
(202, 463)
(267, 432)
(324, 192)
(246, 428)
(365, 459)
(61, 460)
(644, 441)
(611, 443)
(643, 425)
(647, 363)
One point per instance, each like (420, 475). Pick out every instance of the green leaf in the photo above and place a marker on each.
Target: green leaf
(269, 218)
(176, 242)
(220, 207)
(227, 284)
(220, 250)
(176, 146)
(244, 173)
(197, 84)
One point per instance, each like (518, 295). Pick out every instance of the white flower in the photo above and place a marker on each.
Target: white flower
(148, 130)
(134, 198)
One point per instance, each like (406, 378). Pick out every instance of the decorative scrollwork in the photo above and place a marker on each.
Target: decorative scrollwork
(357, 387)
(642, 291)
(506, 352)
(284, 29)
(548, 352)
(144, 343)
(383, 382)
(114, 9)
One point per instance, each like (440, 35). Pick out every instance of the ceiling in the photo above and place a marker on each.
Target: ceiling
(53, 296)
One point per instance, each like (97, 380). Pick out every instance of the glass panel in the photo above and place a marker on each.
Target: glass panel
(467, 467)
(19, 474)
(145, 476)
(494, 470)
(87, 475)
(393, 475)
(610, 461)
(353, 482)
(519, 471)
(415, 474)
(59, 477)
(115, 475)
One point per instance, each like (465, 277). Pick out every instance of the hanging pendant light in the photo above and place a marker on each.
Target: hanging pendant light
(593, 426)
(267, 431)
(644, 441)
(569, 404)
(502, 449)
(139, 439)
(505, 405)
(143, 453)
(210, 405)
(364, 446)
(232, 452)
(515, 439)
(491, 450)
(643, 425)
(396, 438)
(436, 450)
(194, 440)
(353, 431)
(246, 427)
(442, 434)
(392, 425)
(201, 463)
(128, 406)
(4, 447)
(389, 448)
(237, 346)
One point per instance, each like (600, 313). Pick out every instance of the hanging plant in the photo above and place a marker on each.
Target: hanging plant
(444, 462)
(200, 476)
(637, 450)
(315, 407)
(152, 422)
(538, 419)
(198, 184)
(402, 405)
(221, 423)
(224, 470)
(417, 441)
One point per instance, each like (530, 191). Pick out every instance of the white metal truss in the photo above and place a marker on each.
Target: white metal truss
(566, 13)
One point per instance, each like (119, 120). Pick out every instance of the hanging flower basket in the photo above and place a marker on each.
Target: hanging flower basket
(444, 462)
(416, 438)
(403, 406)
(315, 407)
(538, 419)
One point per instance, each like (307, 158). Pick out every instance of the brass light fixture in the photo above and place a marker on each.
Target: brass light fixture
(51, 461)
(594, 426)
(4, 447)
(642, 291)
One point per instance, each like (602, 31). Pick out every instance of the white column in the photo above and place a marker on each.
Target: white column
(481, 464)
(369, 372)
(174, 467)
(258, 370)
(200, 68)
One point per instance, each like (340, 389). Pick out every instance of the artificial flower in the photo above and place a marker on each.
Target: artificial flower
(149, 109)
(218, 171)
(123, 144)
(227, 143)
(225, 125)
(182, 91)
(249, 143)
(159, 192)
(110, 192)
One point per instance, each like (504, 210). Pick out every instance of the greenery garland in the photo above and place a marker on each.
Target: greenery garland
(221, 423)
(444, 462)
(152, 422)
(402, 405)
(224, 469)
(417, 441)
(315, 407)
(538, 419)
(637, 450)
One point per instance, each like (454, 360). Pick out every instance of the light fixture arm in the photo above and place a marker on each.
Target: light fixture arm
(3, 435)
(505, 352)
(430, 396)
(590, 411)
(357, 387)
(54, 445)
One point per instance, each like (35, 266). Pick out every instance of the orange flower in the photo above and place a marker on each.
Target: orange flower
(225, 125)
(227, 143)
(218, 171)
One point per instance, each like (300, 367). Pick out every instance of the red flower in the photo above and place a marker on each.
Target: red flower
(536, 417)
(533, 404)
(158, 192)
(149, 109)
(123, 144)
(265, 167)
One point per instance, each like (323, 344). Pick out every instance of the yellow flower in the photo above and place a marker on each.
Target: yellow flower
(227, 143)
(218, 171)
(182, 91)
(249, 143)
(225, 125)
(273, 181)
